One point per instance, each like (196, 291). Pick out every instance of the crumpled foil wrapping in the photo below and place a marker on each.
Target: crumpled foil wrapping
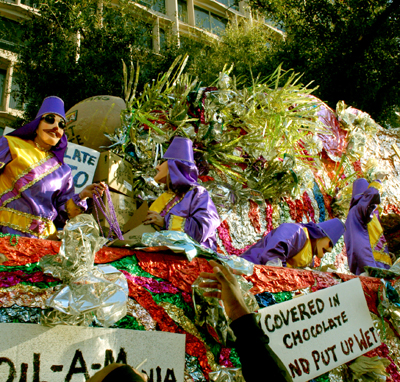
(178, 242)
(88, 292)
(369, 369)
(25, 295)
(192, 367)
(389, 305)
(396, 266)
(20, 314)
(134, 309)
(238, 263)
(211, 312)
(227, 374)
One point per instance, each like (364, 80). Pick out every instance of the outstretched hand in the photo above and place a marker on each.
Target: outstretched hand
(227, 289)
(93, 189)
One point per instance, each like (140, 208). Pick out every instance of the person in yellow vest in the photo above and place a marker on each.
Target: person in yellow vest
(295, 244)
(365, 243)
(36, 187)
(185, 206)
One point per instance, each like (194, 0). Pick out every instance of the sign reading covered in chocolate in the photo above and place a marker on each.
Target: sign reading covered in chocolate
(318, 332)
(67, 353)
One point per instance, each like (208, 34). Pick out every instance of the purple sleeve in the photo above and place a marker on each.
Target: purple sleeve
(5, 155)
(282, 243)
(203, 219)
(61, 201)
(356, 237)
(365, 206)
(198, 217)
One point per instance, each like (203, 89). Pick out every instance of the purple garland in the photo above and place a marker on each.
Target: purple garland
(110, 215)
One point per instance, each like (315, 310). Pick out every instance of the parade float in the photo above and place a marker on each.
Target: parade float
(269, 153)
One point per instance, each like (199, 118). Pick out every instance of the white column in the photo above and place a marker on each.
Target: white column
(7, 88)
(171, 7)
(190, 10)
(156, 36)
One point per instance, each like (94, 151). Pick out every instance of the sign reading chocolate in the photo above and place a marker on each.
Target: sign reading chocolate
(316, 333)
(83, 162)
(67, 353)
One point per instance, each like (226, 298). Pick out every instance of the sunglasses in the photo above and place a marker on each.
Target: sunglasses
(51, 118)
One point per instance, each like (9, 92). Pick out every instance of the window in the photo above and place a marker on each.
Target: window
(145, 36)
(3, 74)
(208, 20)
(30, 3)
(202, 18)
(163, 41)
(14, 102)
(10, 32)
(156, 5)
(233, 4)
(182, 11)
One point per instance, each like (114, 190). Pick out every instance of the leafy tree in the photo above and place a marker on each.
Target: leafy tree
(249, 46)
(350, 48)
(74, 49)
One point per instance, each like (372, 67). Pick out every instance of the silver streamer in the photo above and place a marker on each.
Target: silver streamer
(178, 242)
(211, 311)
(88, 291)
(227, 374)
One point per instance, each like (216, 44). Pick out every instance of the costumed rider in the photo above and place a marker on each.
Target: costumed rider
(36, 186)
(295, 244)
(365, 243)
(185, 206)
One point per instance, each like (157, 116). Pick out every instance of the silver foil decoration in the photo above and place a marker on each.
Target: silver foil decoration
(227, 374)
(238, 263)
(389, 305)
(178, 242)
(211, 311)
(21, 314)
(88, 292)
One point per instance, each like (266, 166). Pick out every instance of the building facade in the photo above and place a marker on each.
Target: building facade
(186, 19)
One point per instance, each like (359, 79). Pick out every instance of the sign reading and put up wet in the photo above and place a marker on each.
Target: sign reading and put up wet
(36, 353)
(318, 332)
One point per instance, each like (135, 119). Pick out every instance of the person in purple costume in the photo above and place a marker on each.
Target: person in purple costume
(365, 243)
(295, 244)
(36, 186)
(186, 206)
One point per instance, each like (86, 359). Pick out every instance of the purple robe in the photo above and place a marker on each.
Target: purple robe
(41, 193)
(356, 237)
(193, 211)
(282, 243)
(201, 216)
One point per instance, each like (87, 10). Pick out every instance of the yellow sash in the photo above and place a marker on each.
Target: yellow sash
(24, 158)
(176, 223)
(159, 204)
(375, 232)
(304, 257)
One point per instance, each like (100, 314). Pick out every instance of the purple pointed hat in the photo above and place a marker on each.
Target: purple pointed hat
(333, 228)
(180, 149)
(53, 105)
(359, 186)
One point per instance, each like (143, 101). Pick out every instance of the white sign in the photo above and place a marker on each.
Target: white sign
(81, 160)
(316, 333)
(83, 163)
(31, 352)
